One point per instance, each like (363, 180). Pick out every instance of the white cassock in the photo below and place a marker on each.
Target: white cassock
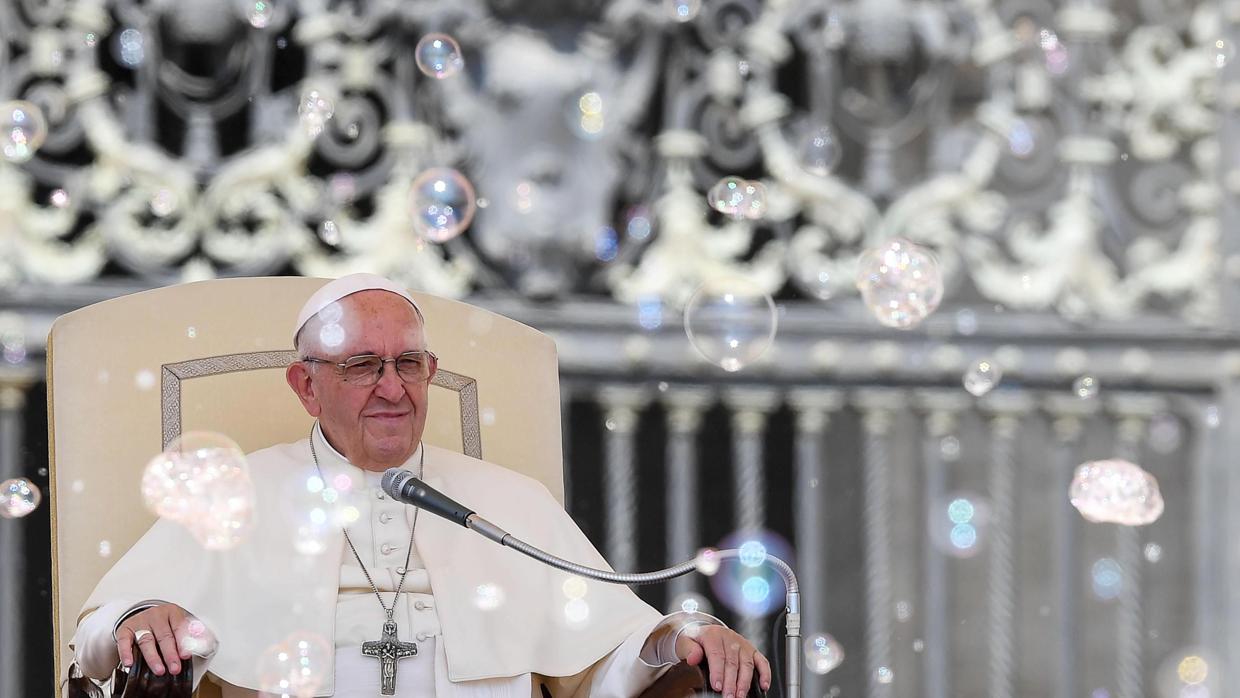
(487, 621)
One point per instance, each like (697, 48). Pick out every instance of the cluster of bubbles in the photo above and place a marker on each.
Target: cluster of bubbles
(982, 376)
(738, 198)
(958, 524)
(731, 323)
(822, 653)
(130, 48)
(751, 587)
(23, 128)
(1116, 491)
(438, 56)
(296, 666)
(900, 283)
(442, 203)
(576, 608)
(488, 597)
(202, 481)
(330, 509)
(585, 116)
(18, 497)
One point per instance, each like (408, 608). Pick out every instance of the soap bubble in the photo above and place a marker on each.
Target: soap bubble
(24, 129)
(59, 198)
(900, 282)
(295, 667)
(202, 482)
(316, 107)
(731, 323)
(748, 589)
(682, 10)
(822, 653)
(439, 56)
(1106, 578)
(1085, 387)
(982, 376)
(258, 12)
(820, 151)
(18, 497)
(1116, 491)
(689, 603)
(708, 561)
(959, 523)
(738, 198)
(443, 204)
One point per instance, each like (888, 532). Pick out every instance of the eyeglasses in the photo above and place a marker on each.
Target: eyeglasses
(366, 369)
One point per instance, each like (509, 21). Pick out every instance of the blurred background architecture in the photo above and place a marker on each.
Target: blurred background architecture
(1067, 170)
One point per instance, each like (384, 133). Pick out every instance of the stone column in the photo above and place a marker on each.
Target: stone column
(685, 406)
(942, 416)
(750, 409)
(13, 577)
(621, 409)
(809, 490)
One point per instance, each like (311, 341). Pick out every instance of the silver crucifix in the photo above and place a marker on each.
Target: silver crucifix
(389, 650)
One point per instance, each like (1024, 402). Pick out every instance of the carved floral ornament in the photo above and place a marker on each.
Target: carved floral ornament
(1055, 156)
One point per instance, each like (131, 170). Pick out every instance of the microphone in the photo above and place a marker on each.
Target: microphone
(401, 485)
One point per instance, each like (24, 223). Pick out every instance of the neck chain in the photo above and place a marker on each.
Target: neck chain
(389, 612)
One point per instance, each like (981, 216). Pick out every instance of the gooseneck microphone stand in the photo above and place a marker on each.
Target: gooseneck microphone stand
(402, 486)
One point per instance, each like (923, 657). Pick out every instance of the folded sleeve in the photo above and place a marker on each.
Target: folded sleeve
(94, 642)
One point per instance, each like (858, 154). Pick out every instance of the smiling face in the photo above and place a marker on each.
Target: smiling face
(376, 426)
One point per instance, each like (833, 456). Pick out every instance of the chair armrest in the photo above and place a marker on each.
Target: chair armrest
(686, 681)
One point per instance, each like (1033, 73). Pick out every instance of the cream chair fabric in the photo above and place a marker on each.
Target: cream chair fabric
(128, 375)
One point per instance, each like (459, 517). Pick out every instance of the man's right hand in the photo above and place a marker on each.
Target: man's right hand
(159, 633)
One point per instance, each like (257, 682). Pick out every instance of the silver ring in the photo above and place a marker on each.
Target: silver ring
(139, 634)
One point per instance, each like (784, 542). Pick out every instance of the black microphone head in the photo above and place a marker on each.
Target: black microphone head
(393, 479)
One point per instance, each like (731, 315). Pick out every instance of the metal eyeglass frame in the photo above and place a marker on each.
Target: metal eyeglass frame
(343, 365)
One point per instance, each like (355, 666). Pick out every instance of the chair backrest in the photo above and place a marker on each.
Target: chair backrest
(128, 375)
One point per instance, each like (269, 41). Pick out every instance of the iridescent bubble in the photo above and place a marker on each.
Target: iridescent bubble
(1086, 387)
(1116, 491)
(958, 524)
(443, 203)
(690, 603)
(296, 666)
(884, 675)
(749, 590)
(1165, 433)
(163, 203)
(23, 128)
(728, 196)
(1153, 552)
(258, 13)
(314, 110)
(1221, 52)
(59, 198)
(900, 282)
(130, 49)
(18, 497)
(202, 482)
(708, 561)
(752, 553)
(1106, 579)
(982, 376)
(682, 10)
(820, 151)
(329, 232)
(731, 323)
(606, 244)
(822, 653)
(199, 639)
(105, 548)
(1022, 139)
(439, 56)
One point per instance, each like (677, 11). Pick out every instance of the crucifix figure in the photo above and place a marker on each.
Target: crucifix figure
(389, 650)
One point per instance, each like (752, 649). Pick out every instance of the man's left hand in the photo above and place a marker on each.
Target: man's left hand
(731, 658)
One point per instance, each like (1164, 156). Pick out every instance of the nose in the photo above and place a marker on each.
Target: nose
(390, 387)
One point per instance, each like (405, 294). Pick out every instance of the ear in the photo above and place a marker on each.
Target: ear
(302, 382)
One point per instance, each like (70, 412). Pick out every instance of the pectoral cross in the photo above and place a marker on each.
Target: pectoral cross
(389, 650)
